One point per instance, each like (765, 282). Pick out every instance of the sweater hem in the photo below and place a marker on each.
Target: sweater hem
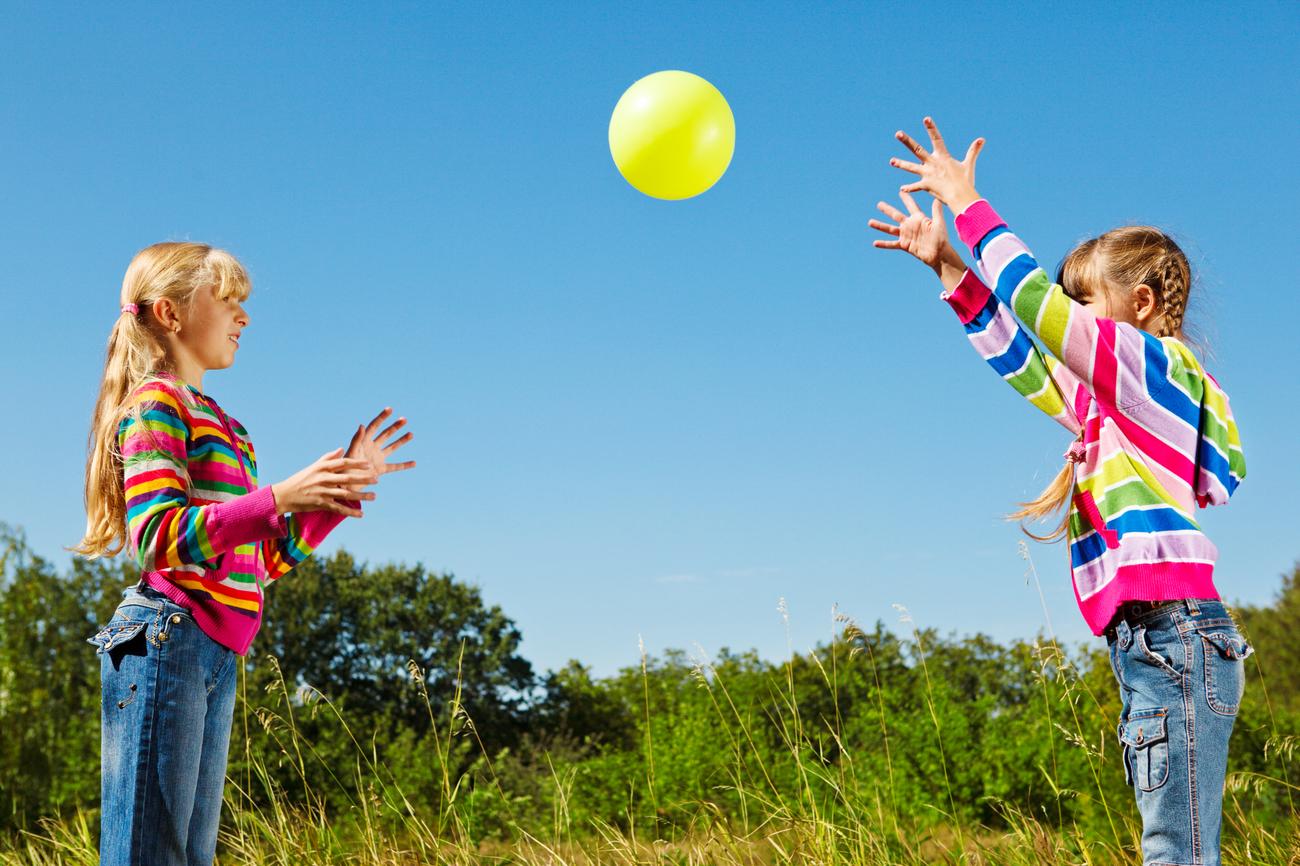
(237, 640)
(1143, 581)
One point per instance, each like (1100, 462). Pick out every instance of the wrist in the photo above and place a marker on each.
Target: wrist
(950, 273)
(275, 497)
(948, 258)
(964, 199)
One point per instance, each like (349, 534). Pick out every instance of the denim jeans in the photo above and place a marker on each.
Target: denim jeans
(167, 702)
(1181, 675)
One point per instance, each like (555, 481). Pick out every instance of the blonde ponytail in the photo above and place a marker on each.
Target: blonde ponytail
(1053, 498)
(137, 354)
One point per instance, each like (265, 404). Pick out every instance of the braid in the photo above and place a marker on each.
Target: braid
(1173, 276)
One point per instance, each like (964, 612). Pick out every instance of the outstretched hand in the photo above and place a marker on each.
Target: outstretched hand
(942, 176)
(368, 446)
(925, 237)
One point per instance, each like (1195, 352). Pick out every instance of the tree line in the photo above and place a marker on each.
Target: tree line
(391, 681)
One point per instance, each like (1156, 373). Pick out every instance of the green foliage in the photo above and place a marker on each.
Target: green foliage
(386, 702)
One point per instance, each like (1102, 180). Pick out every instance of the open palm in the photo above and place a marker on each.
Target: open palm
(368, 445)
(925, 237)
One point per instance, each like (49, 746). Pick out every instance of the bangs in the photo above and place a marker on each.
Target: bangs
(1077, 271)
(228, 276)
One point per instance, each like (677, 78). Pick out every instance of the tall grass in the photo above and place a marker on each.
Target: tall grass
(817, 802)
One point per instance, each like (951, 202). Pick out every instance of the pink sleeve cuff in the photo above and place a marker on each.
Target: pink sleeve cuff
(244, 520)
(968, 298)
(314, 526)
(976, 221)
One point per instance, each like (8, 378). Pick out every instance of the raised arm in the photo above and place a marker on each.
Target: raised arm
(998, 338)
(1120, 365)
(991, 327)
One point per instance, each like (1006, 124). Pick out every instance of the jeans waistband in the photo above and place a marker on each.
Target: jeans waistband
(1145, 612)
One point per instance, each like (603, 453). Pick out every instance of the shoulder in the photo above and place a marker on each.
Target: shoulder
(1184, 367)
(157, 401)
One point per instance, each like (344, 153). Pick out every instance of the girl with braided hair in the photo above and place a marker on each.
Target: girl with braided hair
(1155, 440)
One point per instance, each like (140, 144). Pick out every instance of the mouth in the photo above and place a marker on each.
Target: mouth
(234, 338)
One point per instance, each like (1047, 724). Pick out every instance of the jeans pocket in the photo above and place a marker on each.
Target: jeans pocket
(1146, 749)
(1225, 668)
(118, 633)
(1163, 647)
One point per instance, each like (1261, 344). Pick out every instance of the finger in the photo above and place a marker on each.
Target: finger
(911, 145)
(328, 503)
(335, 453)
(905, 165)
(973, 152)
(340, 508)
(353, 478)
(918, 186)
(890, 211)
(345, 464)
(884, 227)
(341, 493)
(360, 476)
(936, 211)
(377, 420)
(911, 204)
(390, 429)
(399, 467)
(935, 138)
(887, 245)
(398, 444)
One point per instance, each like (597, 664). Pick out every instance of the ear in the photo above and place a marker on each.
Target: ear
(166, 314)
(1143, 299)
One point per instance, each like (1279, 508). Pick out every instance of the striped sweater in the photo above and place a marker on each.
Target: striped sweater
(200, 528)
(1157, 437)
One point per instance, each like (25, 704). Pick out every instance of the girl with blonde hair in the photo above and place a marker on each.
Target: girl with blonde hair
(172, 478)
(1155, 439)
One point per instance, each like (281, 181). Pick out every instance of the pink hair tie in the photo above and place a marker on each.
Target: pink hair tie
(1075, 453)
(131, 308)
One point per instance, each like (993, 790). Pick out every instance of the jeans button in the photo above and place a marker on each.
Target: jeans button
(162, 636)
(176, 617)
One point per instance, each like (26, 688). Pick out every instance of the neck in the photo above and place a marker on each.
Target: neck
(187, 370)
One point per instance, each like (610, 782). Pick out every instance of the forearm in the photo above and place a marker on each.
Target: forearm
(950, 269)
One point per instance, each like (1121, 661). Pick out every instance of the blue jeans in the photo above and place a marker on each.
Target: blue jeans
(1181, 675)
(168, 698)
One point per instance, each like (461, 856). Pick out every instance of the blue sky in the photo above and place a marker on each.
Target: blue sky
(638, 418)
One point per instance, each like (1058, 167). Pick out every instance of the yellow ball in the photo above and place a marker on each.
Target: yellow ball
(672, 135)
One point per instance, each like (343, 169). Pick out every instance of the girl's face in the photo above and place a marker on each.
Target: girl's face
(211, 331)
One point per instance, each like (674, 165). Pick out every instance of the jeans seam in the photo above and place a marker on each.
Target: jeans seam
(221, 669)
(145, 770)
(1189, 722)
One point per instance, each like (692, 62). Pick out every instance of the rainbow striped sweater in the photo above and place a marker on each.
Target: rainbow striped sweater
(199, 526)
(1157, 437)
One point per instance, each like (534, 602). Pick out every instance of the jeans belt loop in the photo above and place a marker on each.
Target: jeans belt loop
(1192, 608)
